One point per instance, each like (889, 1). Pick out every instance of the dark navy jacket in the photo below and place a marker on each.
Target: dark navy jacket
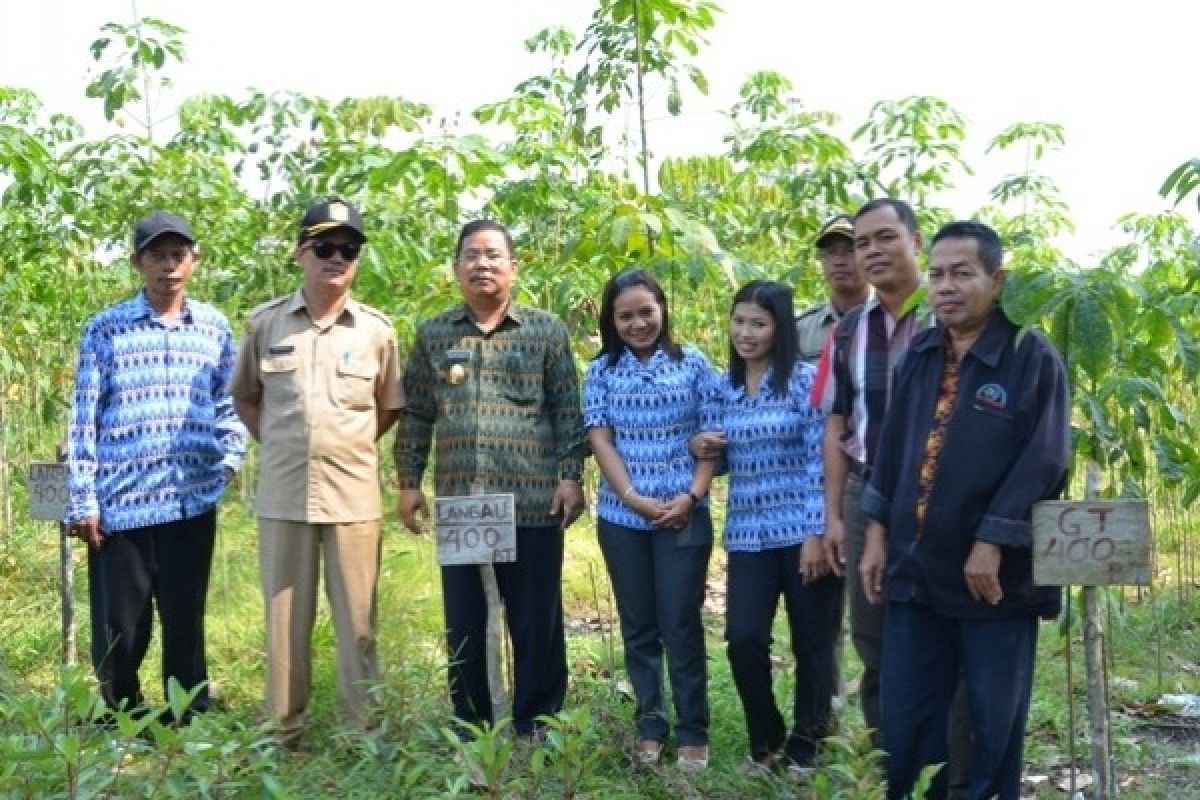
(1007, 447)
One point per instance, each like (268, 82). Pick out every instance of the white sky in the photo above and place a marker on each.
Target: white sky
(1114, 73)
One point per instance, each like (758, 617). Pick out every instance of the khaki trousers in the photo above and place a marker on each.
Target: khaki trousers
(288, 556)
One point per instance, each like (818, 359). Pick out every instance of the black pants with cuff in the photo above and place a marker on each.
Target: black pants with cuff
(164, 566)
(755, 583)
(531, 588)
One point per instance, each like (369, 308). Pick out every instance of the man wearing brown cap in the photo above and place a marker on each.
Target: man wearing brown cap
(847, 286)
(153, 441)
(317, 384)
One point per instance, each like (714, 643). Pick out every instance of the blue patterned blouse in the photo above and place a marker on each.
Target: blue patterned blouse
(653, 410)
(773, 452)
(152, 426)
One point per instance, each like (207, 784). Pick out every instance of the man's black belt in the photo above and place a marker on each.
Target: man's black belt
(860, 470)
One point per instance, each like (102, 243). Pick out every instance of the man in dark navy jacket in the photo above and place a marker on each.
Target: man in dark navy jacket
(978, 430)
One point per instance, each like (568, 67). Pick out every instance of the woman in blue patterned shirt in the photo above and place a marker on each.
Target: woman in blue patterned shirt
(763, 414)
(641, 404)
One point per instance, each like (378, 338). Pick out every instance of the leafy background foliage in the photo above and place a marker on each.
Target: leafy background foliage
(583, 203)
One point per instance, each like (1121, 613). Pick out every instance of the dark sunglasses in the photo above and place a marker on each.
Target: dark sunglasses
(324, 250)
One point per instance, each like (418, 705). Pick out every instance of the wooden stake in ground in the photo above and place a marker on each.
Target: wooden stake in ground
(496, 636)
(1092, 543)
(1103, 783)
(48, 501)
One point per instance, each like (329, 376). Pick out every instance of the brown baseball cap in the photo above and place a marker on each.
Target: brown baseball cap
(841, 225)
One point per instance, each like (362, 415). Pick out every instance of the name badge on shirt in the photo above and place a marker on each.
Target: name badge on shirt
(458, 355)
(281, 349)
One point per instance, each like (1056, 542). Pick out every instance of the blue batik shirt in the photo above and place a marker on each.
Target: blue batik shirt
(152, 428)
(773, 450)
(653, 410)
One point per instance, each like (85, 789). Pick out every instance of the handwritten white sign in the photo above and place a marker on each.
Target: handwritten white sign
(1091, 543)
(47, 490)
(475, 529)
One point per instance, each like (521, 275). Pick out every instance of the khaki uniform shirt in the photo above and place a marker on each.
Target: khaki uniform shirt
(812, 327)
(319, 390)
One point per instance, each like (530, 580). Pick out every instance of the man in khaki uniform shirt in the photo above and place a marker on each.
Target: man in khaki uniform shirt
(317, 384)
(847, 286)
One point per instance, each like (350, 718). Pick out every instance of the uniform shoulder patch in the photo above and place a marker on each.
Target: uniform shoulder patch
(267, 306)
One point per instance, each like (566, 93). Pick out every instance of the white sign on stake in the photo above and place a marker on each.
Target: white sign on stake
(475, 529)
(47, 490)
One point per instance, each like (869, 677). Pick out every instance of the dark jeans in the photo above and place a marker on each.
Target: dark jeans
(756, 580)
(866, 626)
(658, 580)
(531, 588)
(165, 566)
(926, 653)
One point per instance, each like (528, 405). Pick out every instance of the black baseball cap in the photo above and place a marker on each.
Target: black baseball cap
(328, 215)
(841, 225)
(156, 224)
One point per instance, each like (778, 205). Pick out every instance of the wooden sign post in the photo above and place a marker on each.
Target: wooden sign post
(481, 529)
(48, 501)
(1093, 543)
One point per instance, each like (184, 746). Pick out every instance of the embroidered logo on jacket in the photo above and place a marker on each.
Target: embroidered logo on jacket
(992, 396)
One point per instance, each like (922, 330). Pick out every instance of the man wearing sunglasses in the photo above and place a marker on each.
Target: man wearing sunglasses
(317, 384)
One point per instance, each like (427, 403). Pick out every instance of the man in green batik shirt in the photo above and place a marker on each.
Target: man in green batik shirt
(497, 383)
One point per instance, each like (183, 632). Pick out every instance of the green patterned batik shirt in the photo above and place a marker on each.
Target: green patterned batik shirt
(504, 405)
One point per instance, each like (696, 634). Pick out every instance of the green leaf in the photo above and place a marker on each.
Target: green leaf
(1090, 336)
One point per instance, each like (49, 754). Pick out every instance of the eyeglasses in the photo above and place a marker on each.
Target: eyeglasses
(325, 250)
(481, 256)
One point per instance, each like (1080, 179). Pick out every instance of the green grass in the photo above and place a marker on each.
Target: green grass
(225, 755)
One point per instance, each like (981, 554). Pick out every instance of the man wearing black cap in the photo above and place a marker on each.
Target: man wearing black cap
(152, 443)
(847, 286)
(317, 384)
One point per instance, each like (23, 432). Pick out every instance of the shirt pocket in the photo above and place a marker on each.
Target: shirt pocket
(280, 382)
(521, 380)
(991, 431)
(355, 384)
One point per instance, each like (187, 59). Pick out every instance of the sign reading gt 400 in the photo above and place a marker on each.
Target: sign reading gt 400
(475, 529)
(1091, 543)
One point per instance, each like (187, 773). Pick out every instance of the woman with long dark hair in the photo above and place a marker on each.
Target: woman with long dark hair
(642, 398)
(763, 415)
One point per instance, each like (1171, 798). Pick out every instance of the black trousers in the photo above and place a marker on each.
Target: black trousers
(164, 566)
(755, 582)
(531, 588)
(658, 580)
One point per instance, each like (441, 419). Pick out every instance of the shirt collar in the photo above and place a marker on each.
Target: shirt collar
(463, 313)
(830, 311)
(628, 360)
(764, 384)
(300, 303)
(988, 348)
(143, 310)
(873, 302)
